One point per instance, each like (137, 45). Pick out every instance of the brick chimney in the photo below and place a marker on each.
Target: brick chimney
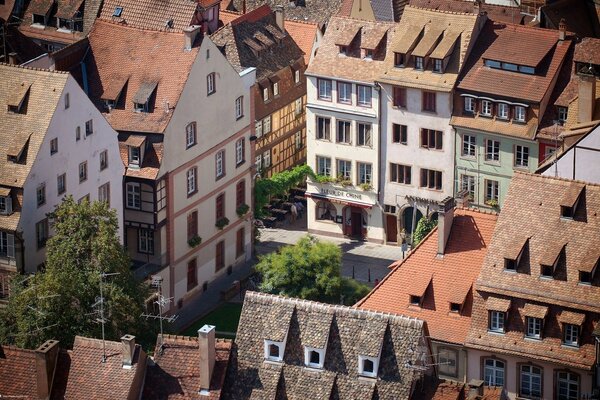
(46, 357)
(562, 29)
(206, 344)
(280, 17)
(190, 34)
(445, 217)
(128, 350)
(476, 7)
(587, 97)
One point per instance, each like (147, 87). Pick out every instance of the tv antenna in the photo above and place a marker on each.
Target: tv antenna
(99, 310)
(161, 301)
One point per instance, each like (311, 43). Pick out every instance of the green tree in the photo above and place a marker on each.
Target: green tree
(58, 303)
(424, 226)
(310, 270)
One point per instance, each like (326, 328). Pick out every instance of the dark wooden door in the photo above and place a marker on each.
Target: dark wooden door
(391, 225)
(356, 224)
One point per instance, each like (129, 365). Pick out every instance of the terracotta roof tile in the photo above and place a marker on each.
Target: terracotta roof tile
(6, 9)
(153, 15)
(453, 276)
(494, 12)
(534, 310)
(319, 11)
(304, 34)
(588, 51)
(17, 373)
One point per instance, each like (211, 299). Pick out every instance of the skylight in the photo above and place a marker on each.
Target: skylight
(117, 12)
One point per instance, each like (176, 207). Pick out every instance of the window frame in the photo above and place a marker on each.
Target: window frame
(211, 86)
(240, 151)
(324, 89)
(239, 242)
(326, 167)
(419, 63)
(568, 381)
(400, 131)
(41, 233)
(399, 95)
(220, 164)
(361, 365)
(401, 170)
(502, 111)
(521, 156)
(533, 327)
(345, 133)
(495, 190)
(323, 132)
(429, 135)
(145, 241)
(494, 369)
(131, 195)
(520, 114)
(53, 146)
(40, 193)
(220, 255)
(343, 168)
(468, 184)
(103, 159)
(496, 321)
(366, 176)
(442, 365)
(571, 331)
(308, 351)
(89, 127)
(347, 90)
(192, 272)
(366, 134)
(239, 107)
(531, 375)
(428, 101)
(470, 104)
(190, 135)
(191, 176)
(367, 94)
(487, 108)
(469, 145)
(495, 154)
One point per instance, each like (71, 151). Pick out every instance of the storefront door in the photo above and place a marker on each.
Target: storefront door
(356, 223)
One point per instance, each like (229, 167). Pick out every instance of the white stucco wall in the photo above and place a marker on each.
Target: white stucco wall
(71, 153)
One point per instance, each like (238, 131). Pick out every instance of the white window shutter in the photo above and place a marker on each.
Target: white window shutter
(10, 245)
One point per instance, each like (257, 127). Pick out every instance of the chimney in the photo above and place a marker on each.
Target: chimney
(562, 29)
(190, 34)
(128, 350)
(445, 217)
(475, 388)
(476, 7)
(462, 199)
(587, 97)
(206, 344)
(280, 17)
(12, 58)
(243, 6)
(45, 364)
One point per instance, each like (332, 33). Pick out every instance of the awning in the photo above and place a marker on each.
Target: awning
(407, 41)
(18, 144)
(534, 310)
(446, 45)
(144, 92)
(4, 192)
(497, 304)
(459, 294)
(419, 285)
(570, 317)
(135, 140)
(339, 201)
(427, 42)
(590, 259)
(371, 38)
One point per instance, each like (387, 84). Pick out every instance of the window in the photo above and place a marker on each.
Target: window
(298, 140)
(502, 111)
(274, 350)
(297, 76)
(89, 127)
(5, 205)
(323, 128)
(258, 162)
(267, 125)
(496, 323)
(324, 89)
(275, 89)
(145, 241)
(368, 366)
(364, 135)
(365, 173)
(41, 233)
(192, 274)
(343, 132)
(210, 83)
(399, 97)
(314, 358)
(571, 337)
(134, 194)
(521, 156)
(567, 385)
(492, 150)
(419, 63)
(67, 101)
(54, 146)
(267, 158)
(562, 114)
(220, 164)
(493, 372)
(486, 108)
(324, 166)
(240, 193)
(103, 160)
(220, 256)
(77, 133)
(455, 307)
(467, 182)
(104, 193)
(240, 154)
(134, 156)
(530, 384)
(190, 135)
(298, 106)
(326, 211)
(39, 19)
(431, 139)
(344, 170)
(41, 194)
(468, 145)
(437, 65)
(7, 245)
(239, 107)
(364, 95)
(398, 60)
(400, 173)
(368, 53)
(141, 107)
(266, 94)
(519, 114)
(83, 171)
(415, 300)
(469, 105)
(534, 328)
(211, 14)
(447, 360)
(239, 242)
(428, 101)
(343, 49)
(585, 277)
(191, 181)
(258, 126)
(344, 90)
(192, 225)
(491, 190)
(220, 207)
(399, 134)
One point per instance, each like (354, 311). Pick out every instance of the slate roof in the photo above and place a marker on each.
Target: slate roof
(116, 53)
(330, 63)
(532, 209)
(176, 370)
(17, 373)
(351, 332)
(319, 11)
(516, 44)
(26, 130)
(429, 22)
(149, 14)
(451, 277)
(383, 10)
(258, 29)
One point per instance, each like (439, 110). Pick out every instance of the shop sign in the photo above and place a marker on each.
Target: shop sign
(340, 193)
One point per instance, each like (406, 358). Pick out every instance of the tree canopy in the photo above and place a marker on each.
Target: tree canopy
(424, 226)
(59, 303)
(278, 185)
(310, 270)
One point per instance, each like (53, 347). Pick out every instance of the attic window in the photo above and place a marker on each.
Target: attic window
(455, 307)
(17, 99)
(570, 200)
(141, 99)
(343, 50)
(399, 60)
(419, 63)
(134, 156)
(5, 202)
(547, 271)
(368, 366)
(584, 276)
(140, 107)
(274, 350)
(566, 212)
(514, 253)
(118, 11)
(39, 19)
(562, 114)
(437, 65)
(415, 300)
(313, 357)
(369, 54)
(510, 264)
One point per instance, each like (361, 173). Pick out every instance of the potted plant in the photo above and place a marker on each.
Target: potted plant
(492, 203)
(222, 222)
(366, 186)
(242, 210)
(194, 241)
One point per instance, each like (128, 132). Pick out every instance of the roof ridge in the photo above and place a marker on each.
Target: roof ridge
(301, 22)
(530, 27)
(554, 178)
(51, 71)
(4, 347)
(470, 14)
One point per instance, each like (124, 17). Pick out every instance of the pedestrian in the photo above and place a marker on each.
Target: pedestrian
(294, 211)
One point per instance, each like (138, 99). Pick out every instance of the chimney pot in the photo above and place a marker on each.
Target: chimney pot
(12, 58)
(280, 17)
(128, 350)
(206, 346)
(562, 29)
(189, 35)
(445, 217)
(587, 98)
(45, 363)
(476, 7)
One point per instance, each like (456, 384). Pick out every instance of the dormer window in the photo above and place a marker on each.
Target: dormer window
(562, 114)
(486, 108)
(17, 101)
(141, 100)
(520, 114)
(399, 60)
(437, 65)
(140, 107)
(265, 94)
(276, 89)
(313, 357)
(502, 111)
(419, 64)
(588, 265)
(5, 202)
(514, 252)
(39, 19)
(368, 54)
(274, 350)
(134, 156)
(455, 307)
(415, 300)
(368, 366)
(510, 264)
(343, 50)
(570, 200)
(469, 105)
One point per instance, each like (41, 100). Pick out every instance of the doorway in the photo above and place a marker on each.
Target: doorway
(407, 220)
(356, 217)
(391, 226)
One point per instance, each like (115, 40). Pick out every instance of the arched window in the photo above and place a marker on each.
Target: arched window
(493, 372)
(326, 211)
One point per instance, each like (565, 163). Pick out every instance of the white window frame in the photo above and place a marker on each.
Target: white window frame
(364, 95)
(492, 192)
(469, 143)
(365, 173)
(531, 376)
(564, 383)
(103, 158)
(267, 158)
(438, 65)
(497, 320)
(533, 328)
(364, 131)
(321, 133)
(239, 151)
(346, 134)
(361, 370)
(298, 106)
(280, 345)
(419, 63)
(469, 104)
(494, 155)
(135, 156)
(344, 169)
(210, 83)
(520, 113)
(297, 76)
(104, 193)
(5, 205)
(571, 335)
(521, 156)
(239, 107)
(344, 94)
(493, 371)
(267, 125)
(503, 110)
(7, 245)
(562, 113)
(467, 182)
(258, 162)
(219, 164)
(324, 89)
(258, 128)
(275, 89)
(266, 94)
(324, 166)
(190, 134)
(486, 108)
(133, 195)
(191, 180)
(307, 355)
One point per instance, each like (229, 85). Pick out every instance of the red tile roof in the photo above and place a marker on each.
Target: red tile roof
(452, 277)
(150, 14)
(494, 12)
(515, 44)
(176, 373)
(142, 56)
(226, 16)
(304, 34)
(17, 373)
(588, 51)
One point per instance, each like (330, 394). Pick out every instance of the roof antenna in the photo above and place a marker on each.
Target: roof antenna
(99, 304)
(161, 301)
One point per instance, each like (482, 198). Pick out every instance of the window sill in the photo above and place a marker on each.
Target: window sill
(499, 333)
(190, 194)
(430, 148)
(344, 143)
(490, 162)
(218, 178)
(533, 339)
(469, 158)
(429, 112)
(510, 271)
(395, 107)
(324, 99)
(569, 346)
(347, 103)
(324, 140)
(365, 105)
(211, 93)
(520, 168)
(431, 189)
(401, 183)
(240, 163)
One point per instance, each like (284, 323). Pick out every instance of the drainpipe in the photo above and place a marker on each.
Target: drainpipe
(379, 89)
